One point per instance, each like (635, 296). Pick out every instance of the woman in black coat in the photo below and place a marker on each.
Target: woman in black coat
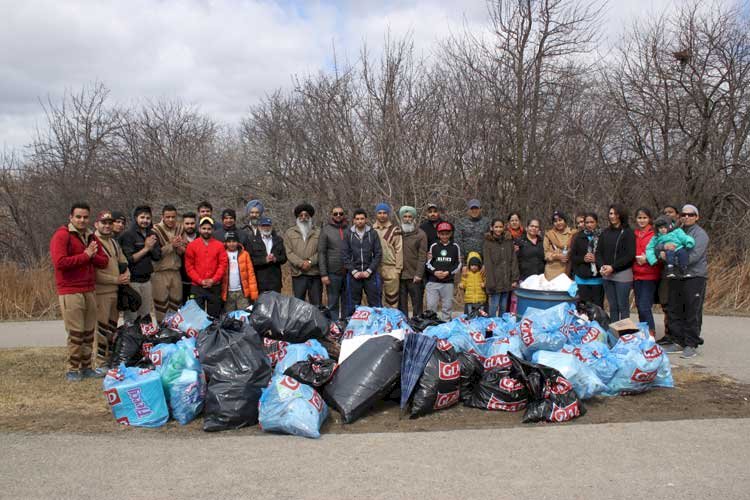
(614, 258)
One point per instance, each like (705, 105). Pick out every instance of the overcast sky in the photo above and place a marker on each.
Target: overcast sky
(222, 55)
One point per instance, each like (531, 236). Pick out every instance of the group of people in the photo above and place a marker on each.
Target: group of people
(393, 261)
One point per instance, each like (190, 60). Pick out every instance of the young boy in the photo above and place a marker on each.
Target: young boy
(239, 283)
(442, 266)
(667, 233)
(472, 283)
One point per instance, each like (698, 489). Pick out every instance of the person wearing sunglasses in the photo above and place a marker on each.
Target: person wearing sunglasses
(332, 270)
(686, 294)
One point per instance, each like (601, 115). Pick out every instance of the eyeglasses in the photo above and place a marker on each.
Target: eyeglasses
(337, 214)
(684, 214)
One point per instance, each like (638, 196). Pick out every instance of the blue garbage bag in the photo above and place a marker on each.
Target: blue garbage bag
(184, 382)
(190, 319)
(300, 352)
(597, 356)
(136, 396)
(642, 364)
(290, 407)
(366, 321)
(498, 348)
(160, 355)
(545, 329)
(587, 331)
(585, 381)
(396, 320)
(240, 314)
(459, 334)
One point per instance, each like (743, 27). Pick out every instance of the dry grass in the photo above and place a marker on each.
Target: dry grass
(29, 293)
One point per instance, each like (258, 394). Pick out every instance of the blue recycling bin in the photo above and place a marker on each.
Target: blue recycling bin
(539, 299)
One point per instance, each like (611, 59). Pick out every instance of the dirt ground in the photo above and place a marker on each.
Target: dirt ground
(34, 397)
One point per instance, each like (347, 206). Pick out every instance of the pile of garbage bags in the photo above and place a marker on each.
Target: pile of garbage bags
(283, 364)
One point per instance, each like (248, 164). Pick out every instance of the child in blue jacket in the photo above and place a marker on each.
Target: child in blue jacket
(667, 233)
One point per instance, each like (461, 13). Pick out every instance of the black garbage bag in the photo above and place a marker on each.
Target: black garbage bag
(425, 320)
(314, 372)
(237, 370)
(128, 299)
(365, 377)
(551, 396)
(167, 335)
(439, 385)
(471, 373)
(287, 318)
(594, 313)
(128, 346)
(498, 389)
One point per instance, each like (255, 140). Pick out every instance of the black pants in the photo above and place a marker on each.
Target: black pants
(208, 299)
(354, 288)
(592, 293)
(409, 290)
(308, 288)
(186, 291)
(685, 310)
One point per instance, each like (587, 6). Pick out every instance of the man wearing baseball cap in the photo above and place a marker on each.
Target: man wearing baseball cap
(119, 223)
(206, 263)
(268, 254)
(470, 230)
(108, 279)
(442, 266)
(686, 293)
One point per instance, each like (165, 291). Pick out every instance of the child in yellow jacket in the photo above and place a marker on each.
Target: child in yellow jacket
(472, 283)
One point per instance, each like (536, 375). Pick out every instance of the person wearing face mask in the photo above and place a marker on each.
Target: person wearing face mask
(583, 260)
(411, 284)
(530, 250)
(557, 245)
(330, 263)
(253, 212)
(615, 255)
(301, 243)
(268, 254)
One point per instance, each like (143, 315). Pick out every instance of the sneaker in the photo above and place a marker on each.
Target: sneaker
(689, 352)
(95, 373)
(671, 275)
(671, 348)
(73, 376)
(665, 340)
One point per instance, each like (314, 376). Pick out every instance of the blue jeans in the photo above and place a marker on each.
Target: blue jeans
(336, 295)
(498, 303)
(618, 296)
(645, 295)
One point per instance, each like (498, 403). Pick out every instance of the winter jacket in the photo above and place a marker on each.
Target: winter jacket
(362, 253)
(391, 244)
(299, 250)
(74, 270)
(330, 248)
(443, 258)
(473, 284)
(415, 254)
(579, 247)
(170, 259)
(698, 255)
(267, 274)
(648, 271)
(616, 248)
(206, 260)
(247, 276)
(243, 237)
(676, 236)
(500, 263)
(554, 242)
(469, 234)
(132, 242)
(430, 229)
(530, 256)
(106, 278)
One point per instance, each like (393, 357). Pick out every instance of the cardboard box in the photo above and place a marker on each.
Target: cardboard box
(623, 327)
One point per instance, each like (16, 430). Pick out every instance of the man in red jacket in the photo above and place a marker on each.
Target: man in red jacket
(75, 255)
(206, 263)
